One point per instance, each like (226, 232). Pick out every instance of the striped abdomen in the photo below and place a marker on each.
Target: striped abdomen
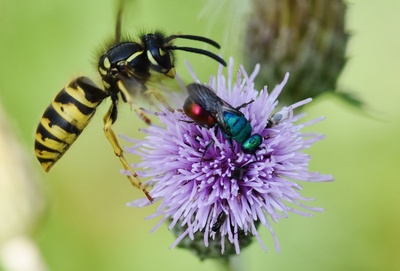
(65, 118)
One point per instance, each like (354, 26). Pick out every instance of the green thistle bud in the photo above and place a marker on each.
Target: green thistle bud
(306, 38)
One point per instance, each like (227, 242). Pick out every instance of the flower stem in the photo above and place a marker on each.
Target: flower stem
(232, 263)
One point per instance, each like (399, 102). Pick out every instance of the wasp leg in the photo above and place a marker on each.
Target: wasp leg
(109, 119)
(140, 113)
(118, 23)
(159, 97)
(129, 100)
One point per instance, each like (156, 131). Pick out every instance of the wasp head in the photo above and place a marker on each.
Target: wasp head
(159, 54)
(159, 51)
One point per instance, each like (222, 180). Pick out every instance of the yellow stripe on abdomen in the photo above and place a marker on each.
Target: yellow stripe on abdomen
(65, 118)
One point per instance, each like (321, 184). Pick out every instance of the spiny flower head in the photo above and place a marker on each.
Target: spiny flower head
(208, 189)
(303, 37)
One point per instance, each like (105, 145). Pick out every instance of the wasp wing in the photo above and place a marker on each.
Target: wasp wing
(151, 93)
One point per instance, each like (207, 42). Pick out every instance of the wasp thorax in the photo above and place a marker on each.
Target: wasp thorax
(126, 59)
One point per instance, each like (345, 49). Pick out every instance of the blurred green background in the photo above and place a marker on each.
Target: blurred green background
(44, 44)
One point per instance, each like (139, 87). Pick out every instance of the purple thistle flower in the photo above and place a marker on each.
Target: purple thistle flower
(216, 190)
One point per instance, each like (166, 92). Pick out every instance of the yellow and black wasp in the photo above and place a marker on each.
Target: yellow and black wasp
(125, 69)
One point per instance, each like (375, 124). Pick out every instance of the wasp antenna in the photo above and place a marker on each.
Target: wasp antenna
(193, 37)
(199, 51)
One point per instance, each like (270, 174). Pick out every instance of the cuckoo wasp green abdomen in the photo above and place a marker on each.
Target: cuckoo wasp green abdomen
(125, 67)
(206, 109)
